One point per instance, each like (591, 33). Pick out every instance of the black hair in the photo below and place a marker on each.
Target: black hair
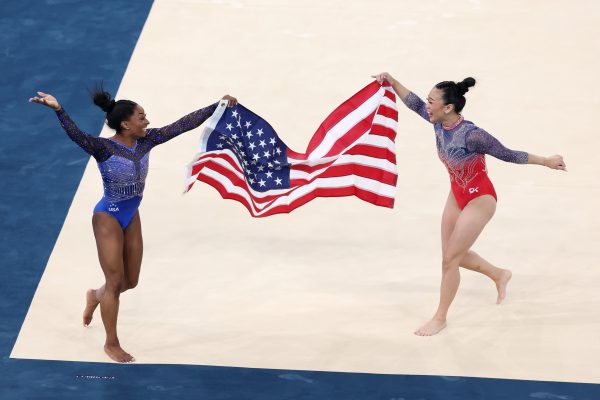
(116, 111)
(454, 93)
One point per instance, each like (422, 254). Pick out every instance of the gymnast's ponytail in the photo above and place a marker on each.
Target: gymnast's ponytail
(116, 111)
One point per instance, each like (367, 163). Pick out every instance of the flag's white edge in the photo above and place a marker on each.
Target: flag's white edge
(210, 126)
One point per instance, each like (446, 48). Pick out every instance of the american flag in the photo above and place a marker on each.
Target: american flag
(351, 153)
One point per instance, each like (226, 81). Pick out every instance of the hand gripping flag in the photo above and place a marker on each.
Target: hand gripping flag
(352, 153)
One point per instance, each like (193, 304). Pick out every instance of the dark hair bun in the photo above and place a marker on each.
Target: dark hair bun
(463, 87)
(116, 111)
(102, 99)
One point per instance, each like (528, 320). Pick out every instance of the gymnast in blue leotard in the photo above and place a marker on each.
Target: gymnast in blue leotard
(123, 163)
(122, 160)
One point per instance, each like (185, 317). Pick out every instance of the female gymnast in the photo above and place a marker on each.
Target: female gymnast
(123, 163)
(471, 203)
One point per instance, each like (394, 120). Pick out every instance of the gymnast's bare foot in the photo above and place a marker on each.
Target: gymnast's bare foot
(501, 284)
(116, 353)
(431, 328)
(90, 306)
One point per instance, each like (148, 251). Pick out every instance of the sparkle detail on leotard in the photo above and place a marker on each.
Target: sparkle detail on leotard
(462, 149)
(124, 169)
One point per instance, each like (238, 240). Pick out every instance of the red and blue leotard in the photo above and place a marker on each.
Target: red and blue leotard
(462, 150)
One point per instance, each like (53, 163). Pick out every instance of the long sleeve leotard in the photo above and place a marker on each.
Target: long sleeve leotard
(124, 169)
(462, 150)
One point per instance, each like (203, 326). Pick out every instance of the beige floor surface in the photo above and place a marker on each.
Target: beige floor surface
(340, 285)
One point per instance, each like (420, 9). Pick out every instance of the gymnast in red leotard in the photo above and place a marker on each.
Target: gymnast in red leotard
(471, 203)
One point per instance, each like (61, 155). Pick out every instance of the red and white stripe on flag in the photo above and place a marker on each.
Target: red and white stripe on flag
(351, 153)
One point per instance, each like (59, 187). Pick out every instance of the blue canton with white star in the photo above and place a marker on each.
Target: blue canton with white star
(260, 152)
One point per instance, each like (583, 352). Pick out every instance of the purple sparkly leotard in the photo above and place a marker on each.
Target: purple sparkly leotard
(462, 150)
(124, 169)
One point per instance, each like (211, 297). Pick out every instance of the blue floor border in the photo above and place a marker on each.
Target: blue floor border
(63, 47)
(74, 380)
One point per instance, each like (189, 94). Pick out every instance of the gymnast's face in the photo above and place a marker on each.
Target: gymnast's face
(137, 123)
(435, 106)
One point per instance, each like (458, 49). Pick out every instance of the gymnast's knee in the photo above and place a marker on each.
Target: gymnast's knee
(128, 283)
(113, 287)
(450, 262)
